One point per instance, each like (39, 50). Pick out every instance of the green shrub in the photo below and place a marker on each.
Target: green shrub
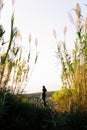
(63, 99)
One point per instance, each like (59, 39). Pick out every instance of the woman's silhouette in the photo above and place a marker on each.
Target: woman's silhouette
(44, 90)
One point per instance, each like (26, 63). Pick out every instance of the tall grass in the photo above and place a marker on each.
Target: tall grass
(14, 74)
(74, 68)
(14, 65)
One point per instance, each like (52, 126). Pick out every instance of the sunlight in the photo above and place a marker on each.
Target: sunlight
(32, 18)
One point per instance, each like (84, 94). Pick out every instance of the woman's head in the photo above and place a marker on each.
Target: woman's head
(43, 86)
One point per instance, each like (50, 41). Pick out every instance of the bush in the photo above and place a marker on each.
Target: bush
(63, 99)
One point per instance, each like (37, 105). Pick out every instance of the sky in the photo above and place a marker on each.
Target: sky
(39, 18)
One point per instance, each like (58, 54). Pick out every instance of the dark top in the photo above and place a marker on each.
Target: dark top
(44, 90)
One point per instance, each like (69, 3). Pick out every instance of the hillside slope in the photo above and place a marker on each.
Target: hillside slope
(36, 98)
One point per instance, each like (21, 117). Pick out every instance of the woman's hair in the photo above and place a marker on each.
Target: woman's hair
(43, 86)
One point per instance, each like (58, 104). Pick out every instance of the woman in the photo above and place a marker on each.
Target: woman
(44, 90)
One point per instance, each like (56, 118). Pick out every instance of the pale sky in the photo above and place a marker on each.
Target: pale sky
(39, 18)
